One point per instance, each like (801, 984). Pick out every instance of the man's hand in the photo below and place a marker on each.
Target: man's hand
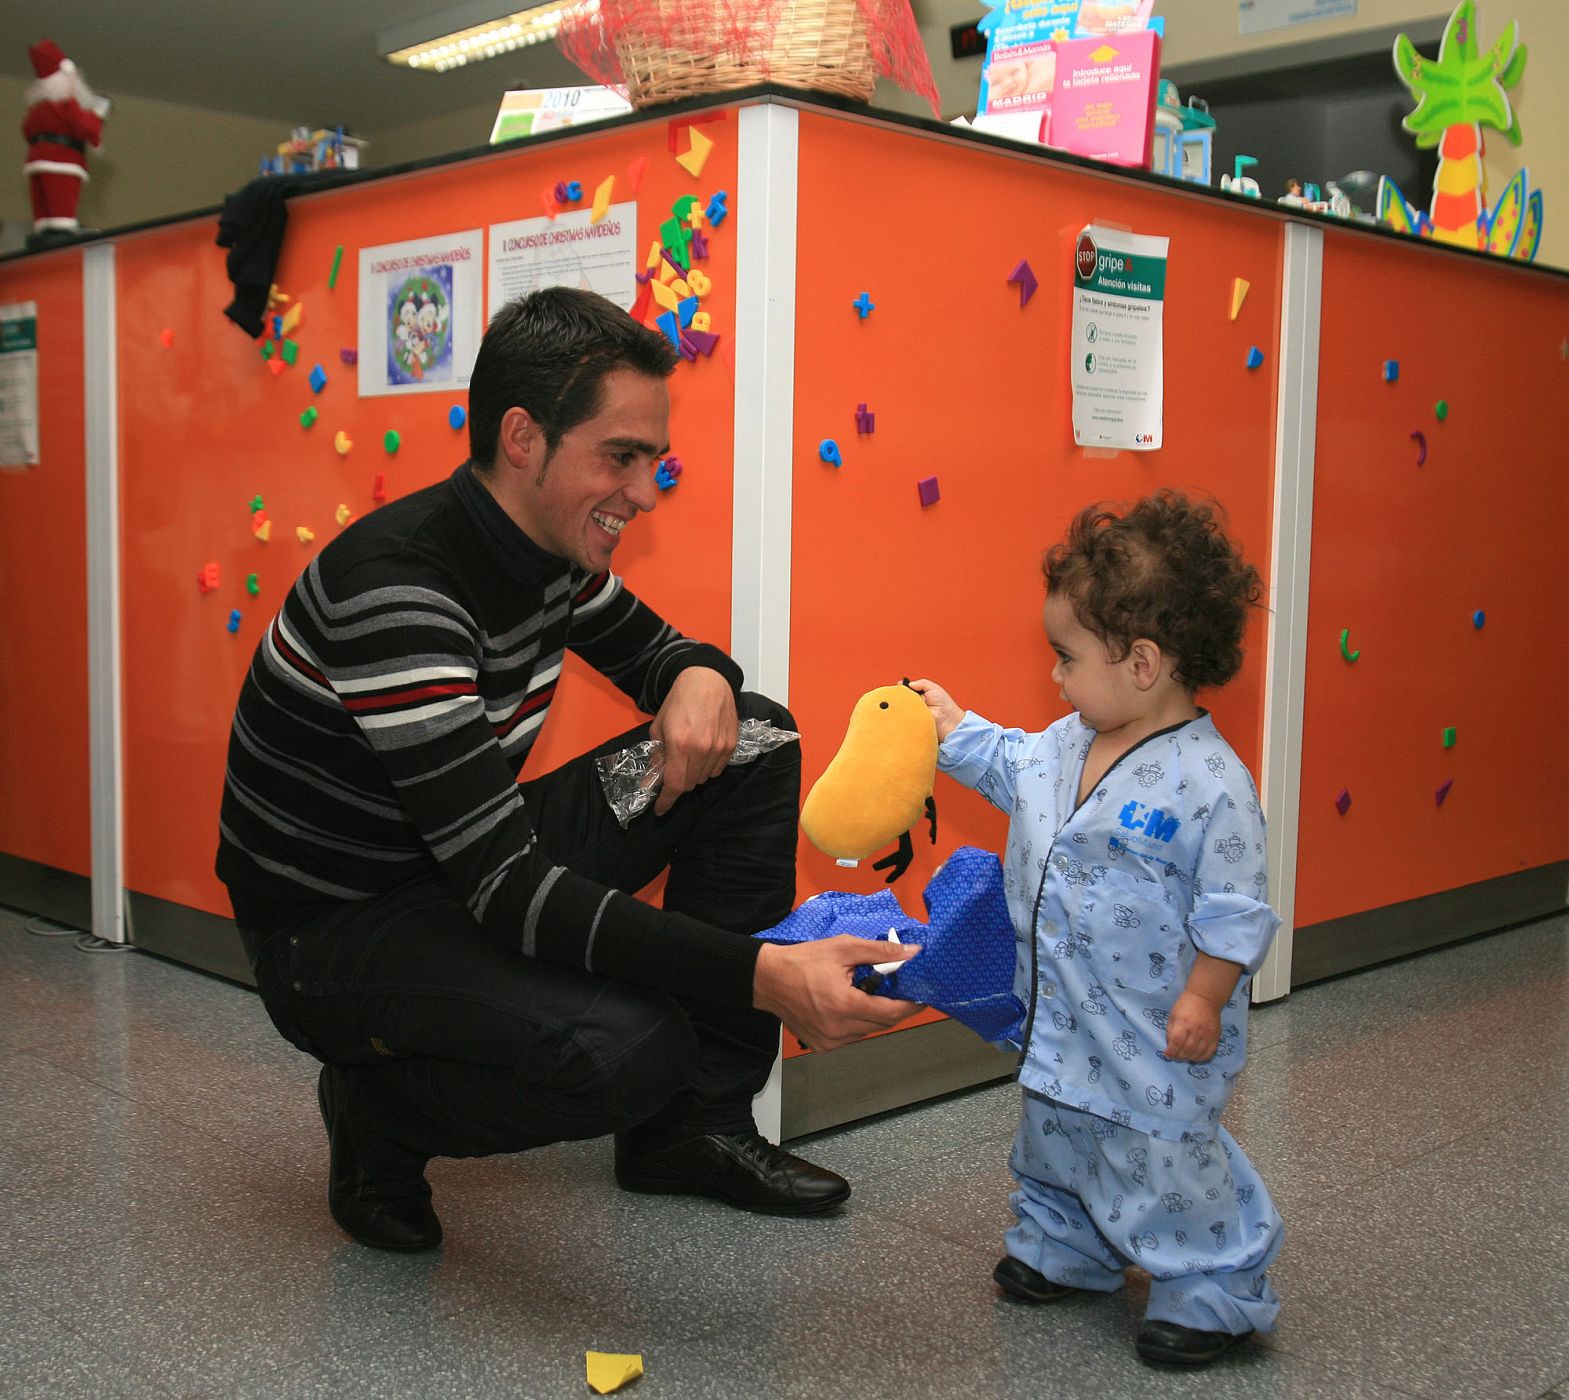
(698, 726)
(941, 704)
(1192, 1028)
(808, 987)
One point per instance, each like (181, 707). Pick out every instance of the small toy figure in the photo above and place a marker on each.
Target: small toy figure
(64, 117)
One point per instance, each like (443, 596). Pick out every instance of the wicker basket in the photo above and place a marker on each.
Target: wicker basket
(820, 45)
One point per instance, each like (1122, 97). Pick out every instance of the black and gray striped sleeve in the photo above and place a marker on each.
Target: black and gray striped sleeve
(628, 643)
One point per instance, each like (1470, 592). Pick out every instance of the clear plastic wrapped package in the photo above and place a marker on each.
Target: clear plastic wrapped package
(631, 778)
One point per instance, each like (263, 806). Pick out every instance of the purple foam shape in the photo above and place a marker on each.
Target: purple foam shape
(348, 356)
(930, 495)
(699, 244)
(704, 340)
(672, 464)
(674, 266)
(1023, 275)
(645, 274)
(1442, 791)
(1343, 802)
(865, 422)
(688, 350)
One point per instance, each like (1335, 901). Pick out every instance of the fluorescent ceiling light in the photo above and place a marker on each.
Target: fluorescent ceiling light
(471, 33)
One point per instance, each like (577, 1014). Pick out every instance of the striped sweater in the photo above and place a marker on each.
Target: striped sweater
(386, 716)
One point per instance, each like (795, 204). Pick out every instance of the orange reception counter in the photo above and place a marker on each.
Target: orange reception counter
(1402, 718)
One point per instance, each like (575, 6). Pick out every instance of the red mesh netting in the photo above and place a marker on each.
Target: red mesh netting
(751, 34)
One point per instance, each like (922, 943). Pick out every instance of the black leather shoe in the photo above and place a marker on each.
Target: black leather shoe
(741, 1169)
(1177, 1345)
(1019, 1280)
(366, 1212)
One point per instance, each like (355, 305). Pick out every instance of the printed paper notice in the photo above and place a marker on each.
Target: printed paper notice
(567, 251)
(1118, 364)
(19, 386)
(1260, 16)
(421, 314)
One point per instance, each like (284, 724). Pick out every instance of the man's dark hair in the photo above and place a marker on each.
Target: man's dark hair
(1163, 569)
(549, 352)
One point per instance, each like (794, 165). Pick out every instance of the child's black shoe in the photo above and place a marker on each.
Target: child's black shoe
(1177, 1345)
(1019, 1280)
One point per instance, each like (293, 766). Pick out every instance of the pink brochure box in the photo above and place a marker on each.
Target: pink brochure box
(1103, 97)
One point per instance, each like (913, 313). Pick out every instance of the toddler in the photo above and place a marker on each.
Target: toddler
(1135, 876)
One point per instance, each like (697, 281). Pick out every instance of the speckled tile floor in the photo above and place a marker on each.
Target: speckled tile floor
(165, 1234)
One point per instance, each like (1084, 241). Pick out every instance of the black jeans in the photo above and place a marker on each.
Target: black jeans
(455, 1045)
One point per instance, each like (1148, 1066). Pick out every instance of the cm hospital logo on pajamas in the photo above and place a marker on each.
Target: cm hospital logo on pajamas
(1156, 825)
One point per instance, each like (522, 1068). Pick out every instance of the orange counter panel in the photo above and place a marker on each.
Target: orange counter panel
(206, 427)
(971, 388)
(1404, 555)
(45, 814)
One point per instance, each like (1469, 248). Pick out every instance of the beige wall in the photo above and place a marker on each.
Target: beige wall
(452, 131)
(157, 159)
(1206, 29)
(1201, 29)
(153, 163)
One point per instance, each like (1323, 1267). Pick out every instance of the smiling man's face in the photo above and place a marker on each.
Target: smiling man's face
(601, 474)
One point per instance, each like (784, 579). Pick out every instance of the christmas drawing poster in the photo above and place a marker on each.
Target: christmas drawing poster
(571, 250)
(421, 313)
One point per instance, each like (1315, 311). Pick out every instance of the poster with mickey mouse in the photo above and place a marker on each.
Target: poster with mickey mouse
(421, 313)
(419, 324)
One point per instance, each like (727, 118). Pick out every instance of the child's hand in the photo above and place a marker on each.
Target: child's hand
(1192, 1028)
(940, 703)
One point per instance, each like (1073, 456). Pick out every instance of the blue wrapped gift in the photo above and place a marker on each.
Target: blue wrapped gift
(965, 966)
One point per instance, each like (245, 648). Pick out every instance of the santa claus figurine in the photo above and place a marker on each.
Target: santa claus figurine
(64, 117)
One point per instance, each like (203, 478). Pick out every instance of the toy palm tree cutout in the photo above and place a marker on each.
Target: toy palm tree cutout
(1459, 93)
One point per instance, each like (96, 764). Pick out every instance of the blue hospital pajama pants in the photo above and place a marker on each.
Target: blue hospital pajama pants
(1095, 1196)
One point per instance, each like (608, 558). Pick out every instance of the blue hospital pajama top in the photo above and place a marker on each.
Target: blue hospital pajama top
(1111, 901)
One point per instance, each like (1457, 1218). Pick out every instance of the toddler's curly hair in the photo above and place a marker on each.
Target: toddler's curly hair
(1163, 569)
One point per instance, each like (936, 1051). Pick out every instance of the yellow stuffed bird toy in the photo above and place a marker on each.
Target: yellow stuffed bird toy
(879, 784)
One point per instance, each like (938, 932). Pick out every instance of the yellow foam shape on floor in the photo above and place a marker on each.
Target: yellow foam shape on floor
(608, 1370)
(602, 194)
(1239, 294)
(697, 157)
